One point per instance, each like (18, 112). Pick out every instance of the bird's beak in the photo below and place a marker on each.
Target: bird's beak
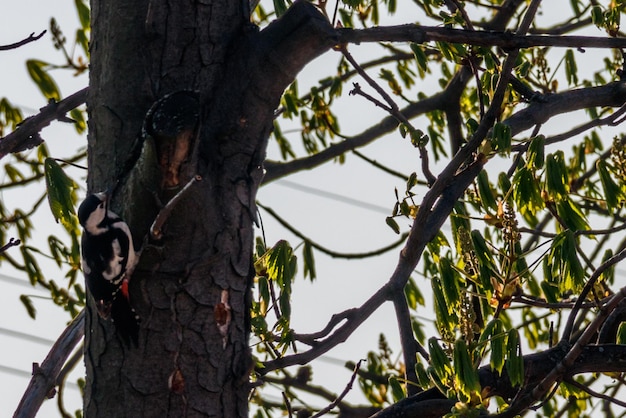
(105, 196)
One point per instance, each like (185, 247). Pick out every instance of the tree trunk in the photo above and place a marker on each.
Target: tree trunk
(192, 283)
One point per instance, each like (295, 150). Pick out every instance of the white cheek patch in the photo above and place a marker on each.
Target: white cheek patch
(114, 268)
(95, 218)
(130, 263)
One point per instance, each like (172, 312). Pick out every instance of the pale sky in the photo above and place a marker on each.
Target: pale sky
(338, 225)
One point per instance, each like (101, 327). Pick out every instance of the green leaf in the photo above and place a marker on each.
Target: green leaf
(80, 124)
(436, 380)
(420, 58)
(526, 193)
(621, 334)
(281, 263)
(57, 250)
(28, 304)
(439, 360)
(465, 374)
(423, 380)
(61, 194)
(391, 81)
(497, 339)
(501, 138)
(571, 215)
(12, 115)
(397, 391)
(280, 6)
(84, 14)
(514, 359)
(413, 294)
(483, 253)
(536, 157)
(556, 175)
(283, 143)
(31, 266)
(42, 79)
(309, 260)
(444, 319)
(504, 184)
(14, 174)
(487, 196)
(449, 284)
(569, 272)
(597, 16)
(612, 192)
(392, 224)
(571, 69)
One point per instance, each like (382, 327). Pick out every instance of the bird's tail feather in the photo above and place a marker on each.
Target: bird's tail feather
(126, 320)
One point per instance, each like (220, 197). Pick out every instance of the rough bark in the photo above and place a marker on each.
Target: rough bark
(192, 283)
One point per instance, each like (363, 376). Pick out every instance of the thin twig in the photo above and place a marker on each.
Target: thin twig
(410, 346)
(391, 107)
(593, 393)
(327, 251)
(343, 394)
(386, 169)
(569, 327)
(156, 228)
(12, 243)
(31, 38)
(287, 405)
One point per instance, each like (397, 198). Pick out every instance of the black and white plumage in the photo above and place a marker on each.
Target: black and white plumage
(108, 260)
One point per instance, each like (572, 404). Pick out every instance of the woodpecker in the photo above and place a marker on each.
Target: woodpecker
(108, 259)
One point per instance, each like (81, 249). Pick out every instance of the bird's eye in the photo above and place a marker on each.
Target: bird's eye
(101, 205)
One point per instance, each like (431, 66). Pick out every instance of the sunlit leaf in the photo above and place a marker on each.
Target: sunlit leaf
(466, 375)
(556, 175)
(449, 284)
(439, 360)
(445, 319)
(571, 215)
(535, 153)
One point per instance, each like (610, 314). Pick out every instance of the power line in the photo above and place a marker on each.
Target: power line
(16, 281)
(26, 337)
(335, 196)
(28, 375)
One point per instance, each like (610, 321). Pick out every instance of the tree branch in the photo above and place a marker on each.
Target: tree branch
(388, 124)
(539, 112)
(564, 367)
(433, 404)
(26, 135)
(505, 40)
(45, 376)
